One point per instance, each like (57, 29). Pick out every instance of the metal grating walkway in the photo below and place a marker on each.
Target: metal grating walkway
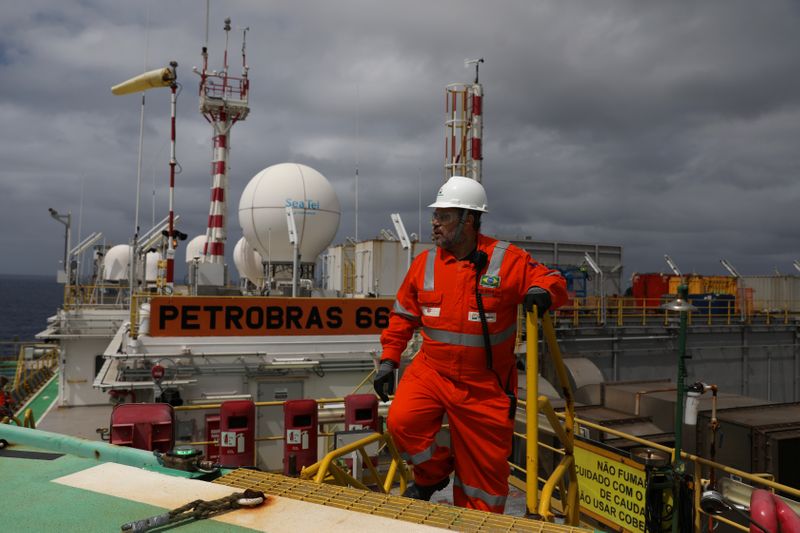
(375, 503)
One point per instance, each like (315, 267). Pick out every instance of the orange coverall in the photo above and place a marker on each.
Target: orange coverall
(450, 375)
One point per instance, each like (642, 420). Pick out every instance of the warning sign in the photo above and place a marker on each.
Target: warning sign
(197, 316)
(612, 487)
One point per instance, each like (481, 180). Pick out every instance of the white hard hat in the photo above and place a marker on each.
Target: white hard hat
(461, 192)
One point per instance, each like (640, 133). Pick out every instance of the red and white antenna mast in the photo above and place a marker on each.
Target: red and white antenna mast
(223, 102)
(162, 77)
(463, 149)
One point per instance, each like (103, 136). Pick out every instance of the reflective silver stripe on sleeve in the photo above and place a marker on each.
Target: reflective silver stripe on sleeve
(427, 284)
(497, 258)
(400, 310)
(474, 492)
(421, 457)
(466, 339)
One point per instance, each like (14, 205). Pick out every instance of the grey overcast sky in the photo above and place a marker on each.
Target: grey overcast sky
(664, 127)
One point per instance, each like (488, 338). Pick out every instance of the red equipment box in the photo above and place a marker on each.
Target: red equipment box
(300, 427)
(146, 426)
(237, 433)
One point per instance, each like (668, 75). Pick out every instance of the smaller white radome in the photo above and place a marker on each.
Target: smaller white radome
(248, 262)
(116, 263)
(194, 248)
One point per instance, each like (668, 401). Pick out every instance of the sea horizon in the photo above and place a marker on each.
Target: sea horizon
(26, 301)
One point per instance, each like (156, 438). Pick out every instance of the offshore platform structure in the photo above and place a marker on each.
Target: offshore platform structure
(223, 102)
(463, 151)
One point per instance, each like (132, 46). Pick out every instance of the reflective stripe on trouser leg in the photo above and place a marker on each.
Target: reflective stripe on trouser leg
(415, 417)
(480, 434)
(491, 500)
(421, 457)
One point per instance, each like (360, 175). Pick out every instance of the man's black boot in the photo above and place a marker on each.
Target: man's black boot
(424, 492)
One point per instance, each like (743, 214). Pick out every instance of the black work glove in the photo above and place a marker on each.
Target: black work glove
(384, 379)
(540, 298)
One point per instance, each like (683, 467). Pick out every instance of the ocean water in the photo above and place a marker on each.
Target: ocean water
(25, 304)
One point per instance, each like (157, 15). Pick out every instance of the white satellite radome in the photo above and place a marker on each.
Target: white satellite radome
(194, 249)
(262, 212)
(248, 261)
(151, 260)
(117, 263)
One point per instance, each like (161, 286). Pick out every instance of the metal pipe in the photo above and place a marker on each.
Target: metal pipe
(677, 461)
(172, 163)
(714, 426)
(132, 275)
(101, 451)
(601, 339)
(242, 353)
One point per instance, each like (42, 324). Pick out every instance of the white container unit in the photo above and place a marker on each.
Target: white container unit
(772, 293)
(381, 266)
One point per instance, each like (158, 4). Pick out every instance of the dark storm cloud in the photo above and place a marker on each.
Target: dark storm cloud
(666, 127)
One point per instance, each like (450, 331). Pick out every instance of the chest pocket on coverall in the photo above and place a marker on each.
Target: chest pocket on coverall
(430, 303)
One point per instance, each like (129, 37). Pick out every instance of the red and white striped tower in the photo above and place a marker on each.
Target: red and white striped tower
(463, 148)
(223, 102)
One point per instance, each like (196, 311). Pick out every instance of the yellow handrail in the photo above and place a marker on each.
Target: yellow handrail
(566, 468)
(321, 470)
(629, 310)
(531, 416)
(28, 420)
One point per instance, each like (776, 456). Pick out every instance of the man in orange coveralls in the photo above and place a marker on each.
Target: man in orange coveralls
(462, 293)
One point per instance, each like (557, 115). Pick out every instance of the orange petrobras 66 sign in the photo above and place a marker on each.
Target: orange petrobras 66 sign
(196, 316)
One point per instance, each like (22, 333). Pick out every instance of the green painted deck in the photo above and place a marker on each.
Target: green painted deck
(43, 399)
(32, 502)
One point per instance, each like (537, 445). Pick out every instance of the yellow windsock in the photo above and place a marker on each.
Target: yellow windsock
(160, 77)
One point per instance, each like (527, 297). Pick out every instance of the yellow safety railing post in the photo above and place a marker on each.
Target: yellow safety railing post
(709, 312)
(571, 501)
(696, 495)
(134, 327)
(326, 468)
(570, 498)
(619, 312)
(28, 419)
(531, 413)
(547, 490)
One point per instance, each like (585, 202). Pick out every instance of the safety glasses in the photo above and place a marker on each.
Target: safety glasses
(444, 217)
